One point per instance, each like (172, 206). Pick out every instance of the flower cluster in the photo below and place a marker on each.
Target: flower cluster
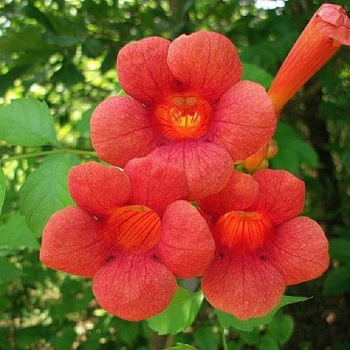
(175, 140)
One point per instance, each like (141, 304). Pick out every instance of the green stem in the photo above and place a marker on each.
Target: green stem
(223, 337)
(48, 153)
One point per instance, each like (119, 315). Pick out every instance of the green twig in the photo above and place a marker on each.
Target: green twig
(48, 153)
(223, 337)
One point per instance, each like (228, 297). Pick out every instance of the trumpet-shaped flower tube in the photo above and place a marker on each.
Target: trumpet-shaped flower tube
(327, 30)
(262, 243)
(187, 106)
(127, 238)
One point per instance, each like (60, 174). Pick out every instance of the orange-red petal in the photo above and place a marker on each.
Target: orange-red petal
(240, 192)
(155, 183)
(243, 286)
(134, 287)
(281, 195)
(244, 120)
(207, 166)
(143, 71)
(98, 189)
(72, 242)
(186, 246)
(121, 130)
(299, 250)
(205, 62)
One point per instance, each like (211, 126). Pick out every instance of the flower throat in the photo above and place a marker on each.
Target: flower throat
(183, 117)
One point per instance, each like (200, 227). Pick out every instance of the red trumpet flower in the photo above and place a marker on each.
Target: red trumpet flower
(261, 243)
(187, 106)
(126, 237)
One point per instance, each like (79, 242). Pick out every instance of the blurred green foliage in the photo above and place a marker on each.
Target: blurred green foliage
(63, 53)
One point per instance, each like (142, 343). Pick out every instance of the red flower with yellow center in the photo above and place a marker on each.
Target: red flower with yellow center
(261, 243)
(127, 237)
(187, 106)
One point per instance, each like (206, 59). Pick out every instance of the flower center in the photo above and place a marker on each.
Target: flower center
(134, 228)
(243, 231)
(183, 117)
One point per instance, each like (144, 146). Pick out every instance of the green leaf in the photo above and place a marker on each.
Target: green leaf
(16, 234)
(236, 344)
(292, 150)
(250, 338)
(83, 126)
(64, 339)
(9, 78)
(180, 346)
(339, 249)
(8, 272)
(337, 281)
(45, 191)
(70, 288)
(205, 338)
(345, 156)
(27, 122)
(281, 328)
(29, 336)
(268, 343)
(61, 40)
(92, 47)
(228, 320)
(179, 315)
(256, 74)
(33, 12)
(128, 331)
(2, 189)
(28, 38)
(68, 74)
